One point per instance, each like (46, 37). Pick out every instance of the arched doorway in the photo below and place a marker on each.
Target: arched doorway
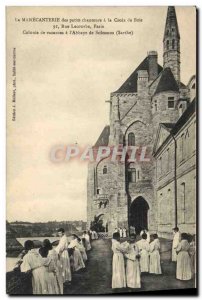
(138, 214)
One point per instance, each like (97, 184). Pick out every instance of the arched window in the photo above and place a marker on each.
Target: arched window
(131, 139)
(105, 170)
(132, 175)
(173, 44)
(183, 203)
(160, 166)
(167, 44)
(180, 110)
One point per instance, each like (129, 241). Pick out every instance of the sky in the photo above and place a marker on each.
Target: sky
(62, 85)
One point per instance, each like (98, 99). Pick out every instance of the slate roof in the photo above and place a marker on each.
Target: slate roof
(185, 116)
(181, 121)
(171, 22)
(169, 126)
(167, 82)
(130, 85)
(103, 139)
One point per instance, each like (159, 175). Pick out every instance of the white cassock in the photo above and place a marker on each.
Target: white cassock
(183, 270)
(132, 267)
(124, 232)
(143, 247)
(155, 265)
(87, 241)
(78, 260)
(33, 261)
(147, 233)
(61, 249)
(118, 268)
(176, 241)
(82, 249)
(96, 235)
(148, 236)
(55, 282)
(121, 232)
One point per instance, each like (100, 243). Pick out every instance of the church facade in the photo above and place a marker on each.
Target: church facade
(151, 109)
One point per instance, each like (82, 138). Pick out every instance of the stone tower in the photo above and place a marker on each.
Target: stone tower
(171, 44)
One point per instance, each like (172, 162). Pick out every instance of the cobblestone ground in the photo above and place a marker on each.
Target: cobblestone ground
(96, 278)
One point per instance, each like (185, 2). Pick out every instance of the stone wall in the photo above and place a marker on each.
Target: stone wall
(186, 182)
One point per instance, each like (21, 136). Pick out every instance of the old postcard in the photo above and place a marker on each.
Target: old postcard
(101, 150)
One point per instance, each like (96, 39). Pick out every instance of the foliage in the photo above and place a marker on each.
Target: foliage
(97, 224)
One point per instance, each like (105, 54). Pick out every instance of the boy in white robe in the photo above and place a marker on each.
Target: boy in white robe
(87, 241)
(82, 249)
(118, 267)
(176, 241)
(155, 265)
(143, 247)
(64, 255)
(121, 232)
(54, 278)
(192, 253)
(33, 262)
(132, 264)
(183, 269)
(77, 257)
(124, 232)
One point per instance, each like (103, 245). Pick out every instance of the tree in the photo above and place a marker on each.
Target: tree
(97, 224)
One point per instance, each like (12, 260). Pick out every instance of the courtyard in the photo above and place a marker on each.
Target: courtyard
(96, 278)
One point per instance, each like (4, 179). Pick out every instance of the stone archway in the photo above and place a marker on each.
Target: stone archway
(139, 214)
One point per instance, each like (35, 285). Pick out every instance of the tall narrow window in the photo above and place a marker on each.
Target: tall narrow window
(182, 147)
(183, 202)
(173, 44)
(105, 170)
(171, 102)
(131, 139)
(167, 160)
(160, 166)
(167, 44)
(132, 175)
(180, 110)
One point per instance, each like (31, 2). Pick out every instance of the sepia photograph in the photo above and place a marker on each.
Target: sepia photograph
(101, 130)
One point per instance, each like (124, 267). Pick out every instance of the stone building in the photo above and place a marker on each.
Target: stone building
(152, 109)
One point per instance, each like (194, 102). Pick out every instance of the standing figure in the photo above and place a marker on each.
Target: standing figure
(176, 241)
(124, 232)
(33, 262)
(92, 235)
(121, 232)
(118, 268)
(55, 280)
(77, 257)
(133, 264)
(183, 270)
(96, 235)
(62, 251)
(192, 253)
(155, 265)
(82, 249)
(144, 230)
(87, 241)
(143, 247)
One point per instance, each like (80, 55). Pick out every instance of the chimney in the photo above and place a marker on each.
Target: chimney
(153, 65)
(142, 81)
